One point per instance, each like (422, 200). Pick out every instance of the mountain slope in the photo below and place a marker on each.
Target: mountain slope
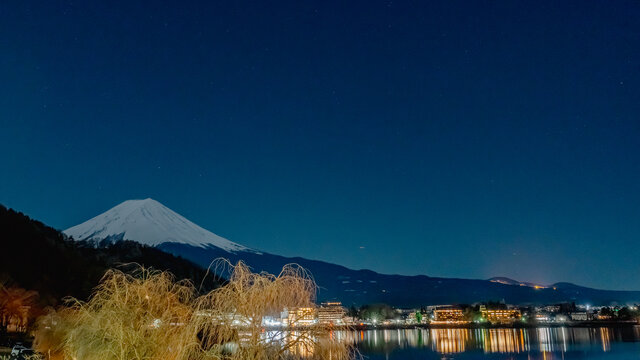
(37, 257)
(335, 281)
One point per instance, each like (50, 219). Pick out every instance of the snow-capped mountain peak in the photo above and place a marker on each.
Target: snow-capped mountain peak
(151, 223)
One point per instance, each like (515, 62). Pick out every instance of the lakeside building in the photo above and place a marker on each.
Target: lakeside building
(500, 316)
(351, 320)
(448, 315)
(406, 315)
(431, 308)
(580, 316)
(543, 317)
(331, 313)
(271, 321)
(551, 309)
(303, 316)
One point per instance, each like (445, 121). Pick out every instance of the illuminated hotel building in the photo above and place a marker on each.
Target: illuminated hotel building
(501, 316)
(580, 316)
(331, 313)
(448, 316)
(302, 316)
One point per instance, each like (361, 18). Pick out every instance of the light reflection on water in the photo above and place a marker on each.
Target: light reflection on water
(535, 343)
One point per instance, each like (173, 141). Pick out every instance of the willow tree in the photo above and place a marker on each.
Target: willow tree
(149, 315)
(129, 316)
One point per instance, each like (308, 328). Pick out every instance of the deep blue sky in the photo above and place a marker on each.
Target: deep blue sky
(465, 139)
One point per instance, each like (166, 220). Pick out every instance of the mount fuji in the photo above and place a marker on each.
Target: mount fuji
(151, 223)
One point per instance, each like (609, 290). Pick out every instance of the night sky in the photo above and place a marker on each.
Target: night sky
(460, 139)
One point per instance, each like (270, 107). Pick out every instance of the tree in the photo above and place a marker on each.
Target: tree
(148, 315)
(626, 313)
(352, 312)
(473, 313)
(16, 304)
(606, 311)
(377, 312)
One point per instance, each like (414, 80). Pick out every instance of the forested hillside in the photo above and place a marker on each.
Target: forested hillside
(37, 257)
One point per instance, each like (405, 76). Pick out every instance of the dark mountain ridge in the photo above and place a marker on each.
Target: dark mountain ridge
(358, 287)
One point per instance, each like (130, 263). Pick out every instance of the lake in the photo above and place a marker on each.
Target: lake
(532, 343)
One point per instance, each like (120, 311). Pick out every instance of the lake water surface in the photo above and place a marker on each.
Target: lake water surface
(537, 343)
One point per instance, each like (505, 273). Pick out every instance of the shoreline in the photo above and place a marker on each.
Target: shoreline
(585, 324)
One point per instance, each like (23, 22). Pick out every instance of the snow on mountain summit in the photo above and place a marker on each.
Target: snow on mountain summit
(151, 223)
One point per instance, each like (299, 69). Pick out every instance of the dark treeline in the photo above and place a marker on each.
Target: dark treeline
(37, 257)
